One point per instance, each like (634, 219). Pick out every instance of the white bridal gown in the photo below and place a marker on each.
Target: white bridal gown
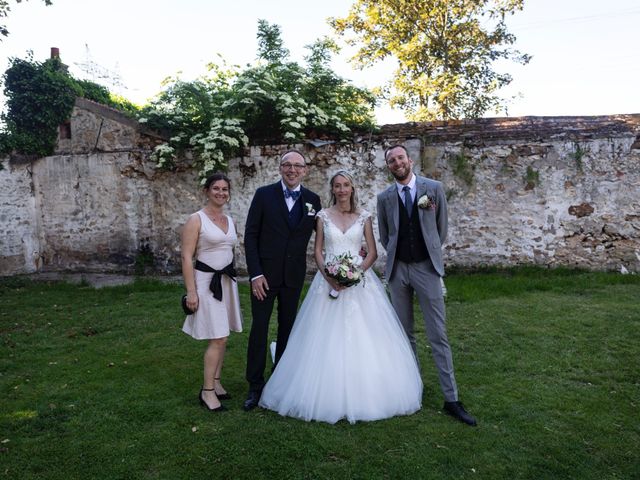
(347, 358)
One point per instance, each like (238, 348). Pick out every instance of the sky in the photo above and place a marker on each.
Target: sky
(585, 55)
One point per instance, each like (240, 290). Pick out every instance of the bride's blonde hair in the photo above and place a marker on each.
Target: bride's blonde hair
(353, 201)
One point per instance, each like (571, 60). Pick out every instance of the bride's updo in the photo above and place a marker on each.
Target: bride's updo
(353, 201)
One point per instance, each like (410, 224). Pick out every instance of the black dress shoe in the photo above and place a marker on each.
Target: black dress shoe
(221, 408)
(456, 410)
(252, 401)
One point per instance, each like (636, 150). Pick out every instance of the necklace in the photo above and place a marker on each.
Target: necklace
(213, 217)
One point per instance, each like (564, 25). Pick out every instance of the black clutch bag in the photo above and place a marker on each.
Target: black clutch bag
(187, 310)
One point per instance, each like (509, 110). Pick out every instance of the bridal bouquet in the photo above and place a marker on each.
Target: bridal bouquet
(343, 270)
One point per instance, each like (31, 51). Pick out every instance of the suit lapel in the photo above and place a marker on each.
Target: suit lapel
(281, 202)
(303, 203)
(392, 198)
(302, 206)
(421, 189)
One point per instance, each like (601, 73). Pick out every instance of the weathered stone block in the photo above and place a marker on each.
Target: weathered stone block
(582, 210)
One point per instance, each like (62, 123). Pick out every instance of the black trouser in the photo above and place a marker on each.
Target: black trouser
(261, 310)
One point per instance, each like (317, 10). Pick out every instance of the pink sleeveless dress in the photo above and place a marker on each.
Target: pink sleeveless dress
(214, 318)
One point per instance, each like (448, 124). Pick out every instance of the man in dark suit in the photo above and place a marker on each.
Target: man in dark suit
(412, 221)
(279, 225)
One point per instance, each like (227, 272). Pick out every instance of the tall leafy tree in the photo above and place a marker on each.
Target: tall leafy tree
(445, 52)
(270, 44)
(4, 12)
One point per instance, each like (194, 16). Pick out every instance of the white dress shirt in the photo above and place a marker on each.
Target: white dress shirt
(412, 189)
(290, 201)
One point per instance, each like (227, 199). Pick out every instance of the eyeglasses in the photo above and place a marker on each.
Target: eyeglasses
(289, 166)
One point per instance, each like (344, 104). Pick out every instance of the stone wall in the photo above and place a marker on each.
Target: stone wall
(548, 191)
(557, 191)
(19, 223)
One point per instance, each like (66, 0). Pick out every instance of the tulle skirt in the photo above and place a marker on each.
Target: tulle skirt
(347, 358)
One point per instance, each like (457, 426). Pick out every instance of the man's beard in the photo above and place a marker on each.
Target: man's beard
(402, 178)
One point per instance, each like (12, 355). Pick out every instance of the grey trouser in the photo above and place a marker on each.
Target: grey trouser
(425, 281)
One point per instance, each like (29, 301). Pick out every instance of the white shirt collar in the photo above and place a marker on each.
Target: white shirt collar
(284, 187)
(411, 184)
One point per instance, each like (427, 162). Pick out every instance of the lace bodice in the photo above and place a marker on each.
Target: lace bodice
(337, 242)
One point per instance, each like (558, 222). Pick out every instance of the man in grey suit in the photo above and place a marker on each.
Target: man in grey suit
(412, 221)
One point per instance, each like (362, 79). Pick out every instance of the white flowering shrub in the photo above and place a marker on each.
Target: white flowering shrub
(164, 155)
(224, 138)
(274, 100)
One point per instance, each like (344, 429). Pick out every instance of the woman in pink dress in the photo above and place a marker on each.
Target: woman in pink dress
(209, 237)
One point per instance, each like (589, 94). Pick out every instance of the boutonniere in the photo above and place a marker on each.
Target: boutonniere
(427, 202)
(310, 211)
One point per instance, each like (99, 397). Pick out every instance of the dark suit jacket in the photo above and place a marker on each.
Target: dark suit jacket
(272, 248)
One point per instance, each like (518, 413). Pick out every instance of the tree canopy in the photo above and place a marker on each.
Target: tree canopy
(445, 52)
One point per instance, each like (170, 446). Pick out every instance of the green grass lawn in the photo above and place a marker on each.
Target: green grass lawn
(102, 383)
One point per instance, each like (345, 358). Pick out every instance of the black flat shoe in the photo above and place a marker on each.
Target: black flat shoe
(221, 408)
(457, 411)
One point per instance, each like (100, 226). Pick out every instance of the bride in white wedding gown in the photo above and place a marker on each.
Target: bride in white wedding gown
(347, 358)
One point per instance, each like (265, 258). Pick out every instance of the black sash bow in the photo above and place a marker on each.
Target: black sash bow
(216, 281)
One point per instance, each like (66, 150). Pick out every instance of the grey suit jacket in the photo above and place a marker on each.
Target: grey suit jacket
(433, 221)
